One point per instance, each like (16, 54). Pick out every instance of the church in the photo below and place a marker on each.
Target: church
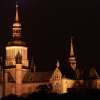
(17, 77)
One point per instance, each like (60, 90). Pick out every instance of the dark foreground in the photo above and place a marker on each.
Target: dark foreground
(44, 95)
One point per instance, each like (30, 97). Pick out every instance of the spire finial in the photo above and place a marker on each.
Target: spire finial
(58, 64)
(71, 48)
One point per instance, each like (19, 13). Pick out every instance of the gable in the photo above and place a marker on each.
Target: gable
(57, 75)
(37, 77)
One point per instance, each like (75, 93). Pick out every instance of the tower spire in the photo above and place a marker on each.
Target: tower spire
(17, 17)
(71, 48)
(17, 25)
(16, 44)
(72, 59)
(34, 68)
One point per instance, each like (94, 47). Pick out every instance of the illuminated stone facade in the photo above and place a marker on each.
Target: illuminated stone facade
(11, 52)
(21, 81)
(66, 84)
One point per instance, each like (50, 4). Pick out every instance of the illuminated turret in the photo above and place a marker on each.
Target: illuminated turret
(16, 44)
(72, 60)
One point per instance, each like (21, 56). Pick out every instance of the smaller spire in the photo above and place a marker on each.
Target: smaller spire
(58, 64)
(72, 59)
(34, 68)
(71, 48)
(1, 63)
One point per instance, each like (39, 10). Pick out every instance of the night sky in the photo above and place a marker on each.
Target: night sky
(48, 26)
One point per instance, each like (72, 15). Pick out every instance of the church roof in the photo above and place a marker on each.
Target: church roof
(93, 73)
(82, 73)
(89, 73)
(37, 77)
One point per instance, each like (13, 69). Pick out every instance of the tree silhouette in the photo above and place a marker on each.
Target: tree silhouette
(44, 88)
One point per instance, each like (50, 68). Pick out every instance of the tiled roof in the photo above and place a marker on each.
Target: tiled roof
(89, 73)
(37, 77)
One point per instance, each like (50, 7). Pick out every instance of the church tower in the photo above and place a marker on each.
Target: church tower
(16, 44)
(72, 59)
(16, 64)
